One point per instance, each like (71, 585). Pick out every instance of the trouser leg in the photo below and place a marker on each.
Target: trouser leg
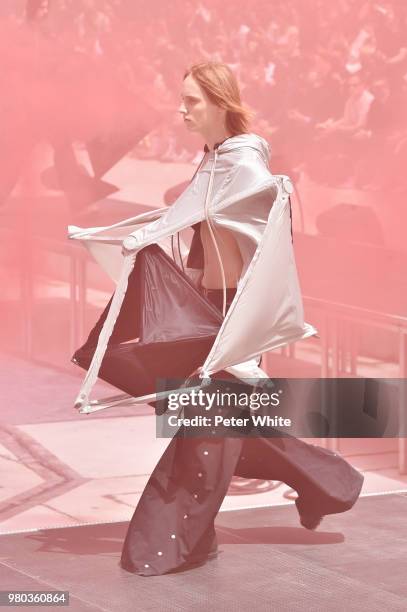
(324, 481)
(176, 512)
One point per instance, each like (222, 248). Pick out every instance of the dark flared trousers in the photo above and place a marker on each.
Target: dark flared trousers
(173, 524)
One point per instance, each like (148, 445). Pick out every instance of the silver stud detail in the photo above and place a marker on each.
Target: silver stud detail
(146, 565)
(196, 495)
(206, 452)
(173, 536)
(159, 553)
(199, 474)
(185, 516)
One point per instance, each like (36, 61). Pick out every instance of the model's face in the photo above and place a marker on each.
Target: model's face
(198, 111)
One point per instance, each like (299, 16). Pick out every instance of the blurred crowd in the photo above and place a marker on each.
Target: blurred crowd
(327, 80)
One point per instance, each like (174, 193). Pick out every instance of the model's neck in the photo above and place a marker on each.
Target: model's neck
(214, 136)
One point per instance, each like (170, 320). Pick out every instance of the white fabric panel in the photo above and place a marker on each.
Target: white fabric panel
(265, 295)
(248, 200)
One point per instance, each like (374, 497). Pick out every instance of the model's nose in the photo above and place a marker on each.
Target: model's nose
(182, 108)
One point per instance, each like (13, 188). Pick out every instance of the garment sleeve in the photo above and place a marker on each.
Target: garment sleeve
(178, 216)
(244, 181)
(74, 231)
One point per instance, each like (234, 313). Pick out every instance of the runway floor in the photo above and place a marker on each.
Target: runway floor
(355, 561)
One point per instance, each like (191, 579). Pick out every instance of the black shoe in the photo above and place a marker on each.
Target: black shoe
(310, 521)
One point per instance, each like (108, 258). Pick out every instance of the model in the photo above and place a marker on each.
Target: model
(241, 260)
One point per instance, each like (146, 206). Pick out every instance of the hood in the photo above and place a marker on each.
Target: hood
(246, 140)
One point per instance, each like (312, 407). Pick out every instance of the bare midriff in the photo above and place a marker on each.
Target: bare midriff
(230, 256)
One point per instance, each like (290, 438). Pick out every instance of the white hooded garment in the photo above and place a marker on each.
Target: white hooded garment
(233, 188)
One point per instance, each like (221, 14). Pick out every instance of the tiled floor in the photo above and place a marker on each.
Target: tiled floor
(354, 562)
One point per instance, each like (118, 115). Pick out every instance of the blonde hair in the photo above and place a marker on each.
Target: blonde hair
(220, 85)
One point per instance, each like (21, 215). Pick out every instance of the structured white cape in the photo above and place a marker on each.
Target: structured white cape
(233, 188)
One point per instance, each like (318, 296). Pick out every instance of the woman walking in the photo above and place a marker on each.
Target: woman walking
(173, 525)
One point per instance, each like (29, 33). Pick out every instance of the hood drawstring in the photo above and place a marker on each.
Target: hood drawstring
(178, 238)
(212, 231)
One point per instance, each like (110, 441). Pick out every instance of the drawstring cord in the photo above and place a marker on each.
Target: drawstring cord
(211, 230)
(178, 239)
